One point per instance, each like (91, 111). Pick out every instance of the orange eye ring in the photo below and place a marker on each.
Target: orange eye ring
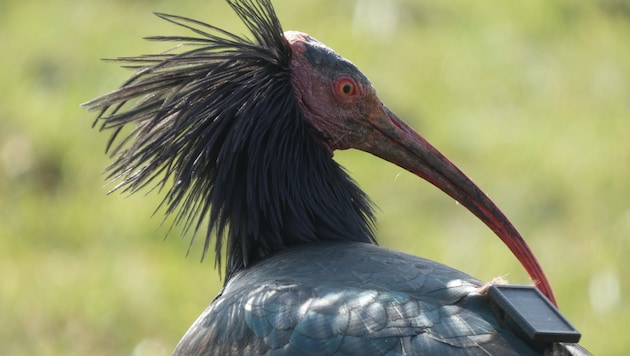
(346, 87)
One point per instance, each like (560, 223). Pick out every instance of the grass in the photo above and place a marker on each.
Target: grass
(531, 99)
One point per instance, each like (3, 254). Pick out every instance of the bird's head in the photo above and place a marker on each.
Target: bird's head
(336, 97)
(231, 113)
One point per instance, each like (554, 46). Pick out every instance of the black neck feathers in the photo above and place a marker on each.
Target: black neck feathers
(218, 126)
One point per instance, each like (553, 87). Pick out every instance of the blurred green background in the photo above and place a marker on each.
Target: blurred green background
(531, 99)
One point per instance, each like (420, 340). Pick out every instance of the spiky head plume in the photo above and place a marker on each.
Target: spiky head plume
(219, 126)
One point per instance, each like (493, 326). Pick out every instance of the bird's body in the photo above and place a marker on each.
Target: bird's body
(241, 133)
(360, 299)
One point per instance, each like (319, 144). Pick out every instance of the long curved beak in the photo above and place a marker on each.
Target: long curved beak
(392, 139)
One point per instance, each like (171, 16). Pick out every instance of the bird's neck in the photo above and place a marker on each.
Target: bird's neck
(286, 190)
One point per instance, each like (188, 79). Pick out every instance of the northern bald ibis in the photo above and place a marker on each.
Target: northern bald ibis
(241, 134)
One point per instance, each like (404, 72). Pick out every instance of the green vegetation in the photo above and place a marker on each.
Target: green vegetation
(531, 99)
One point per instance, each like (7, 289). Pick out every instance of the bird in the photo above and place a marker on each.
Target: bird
(239, 134)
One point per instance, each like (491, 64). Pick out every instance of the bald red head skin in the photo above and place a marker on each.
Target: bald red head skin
(344, 110)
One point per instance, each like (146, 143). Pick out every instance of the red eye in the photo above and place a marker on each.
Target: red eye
(346, 87)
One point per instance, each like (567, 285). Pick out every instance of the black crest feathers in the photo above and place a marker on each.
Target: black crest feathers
(216, 123)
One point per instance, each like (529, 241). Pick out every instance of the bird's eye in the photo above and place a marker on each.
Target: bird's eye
(346, 87)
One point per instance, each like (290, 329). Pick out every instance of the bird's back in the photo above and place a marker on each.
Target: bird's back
(350, 298)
